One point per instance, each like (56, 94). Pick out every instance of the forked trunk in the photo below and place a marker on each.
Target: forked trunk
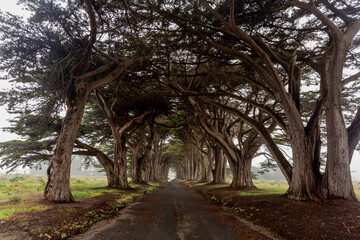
(137, 171)
(123, 180)
(304, 185)
(149, 173)
(202, 170)
(57, 188)
(120, 166)
(242, 173)
(209, 175)
(219, 172)
(137, 166)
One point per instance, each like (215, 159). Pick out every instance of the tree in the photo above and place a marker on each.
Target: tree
(275, 68)
(342, 27)
(60, 47)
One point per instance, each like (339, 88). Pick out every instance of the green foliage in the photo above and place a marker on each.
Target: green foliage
(174, 151)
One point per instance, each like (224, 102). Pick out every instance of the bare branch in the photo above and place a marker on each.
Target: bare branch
(310, 7)
(93, 29)
(95, 72)
(350, 79)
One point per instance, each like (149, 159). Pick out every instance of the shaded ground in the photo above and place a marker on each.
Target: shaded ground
(60, 221)
(333, 219)
(173, 212)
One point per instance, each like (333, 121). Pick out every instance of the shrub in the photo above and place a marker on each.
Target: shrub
(16, 178)
(14, 198)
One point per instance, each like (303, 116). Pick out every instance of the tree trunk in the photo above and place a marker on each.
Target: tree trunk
(158, 144)
(57, 188)
(209, 174)
(242, 174)
(135, 165)
(120, 165)
(137, 171)
(201, 174)
(337, 178)
(137, 161)
(219, 172)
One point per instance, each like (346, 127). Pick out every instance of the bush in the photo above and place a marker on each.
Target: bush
(16, 178)
(14, 198)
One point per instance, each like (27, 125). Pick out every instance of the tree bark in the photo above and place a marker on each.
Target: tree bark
(337, 177)
(136, 170)
(219, 172)
(157, 149)
(146, 158)
(137, 161)
(57, 188)
(209, 172)
(120, 165)
(242, 174)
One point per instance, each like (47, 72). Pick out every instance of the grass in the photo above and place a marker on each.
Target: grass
(14, 188)
(357, 189)
(8, 211)
(271, 186)
(267, 187)
(18, 193)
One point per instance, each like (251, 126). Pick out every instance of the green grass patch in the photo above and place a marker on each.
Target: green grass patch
(8, 211)
(261, 192)
(128, 198)
(271, 186)
(213, 186)
(92, 192)
(19, 194)
(17, 187)
(14, 198)
(357, 189)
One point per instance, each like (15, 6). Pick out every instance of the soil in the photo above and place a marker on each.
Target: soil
(61, 221)
(289, 219)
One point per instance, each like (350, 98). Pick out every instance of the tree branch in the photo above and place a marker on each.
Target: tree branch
(350, 79)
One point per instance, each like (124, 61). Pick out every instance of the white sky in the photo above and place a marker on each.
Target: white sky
(11, 6)
(7, 6)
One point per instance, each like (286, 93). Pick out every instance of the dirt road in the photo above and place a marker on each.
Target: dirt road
(173, 212)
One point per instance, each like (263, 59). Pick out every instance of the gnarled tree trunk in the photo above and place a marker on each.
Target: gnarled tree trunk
(120, 165)
(242, 174)
(219, 171)
(58, 185)
(337, 177)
